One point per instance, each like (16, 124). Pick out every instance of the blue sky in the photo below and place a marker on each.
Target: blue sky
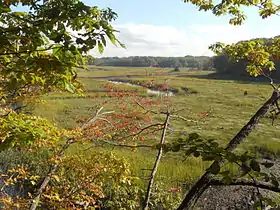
(162, 12)
(175, 28)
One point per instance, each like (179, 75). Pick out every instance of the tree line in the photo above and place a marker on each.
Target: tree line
(220, 63)
(195, 62)
(226, 66)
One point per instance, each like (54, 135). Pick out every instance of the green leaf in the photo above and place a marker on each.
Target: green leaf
(112, 38)
(245, 169)
(244, 157)
(208, 157)
(255, 165)
(100, 48)
(193, 136)
(268, 164)
(215, 168)
(69, 87)
(103, 41)
(227, 179)
(196, 154)
(275, 182)
(176, 148)
(5, 9)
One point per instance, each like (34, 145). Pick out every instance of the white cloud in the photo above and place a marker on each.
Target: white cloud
(151, 40)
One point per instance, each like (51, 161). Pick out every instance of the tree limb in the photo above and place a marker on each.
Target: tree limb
(246, 182)
(30, 51)
(156, 164)
(142, 130)
(202, 184)
(126, 145)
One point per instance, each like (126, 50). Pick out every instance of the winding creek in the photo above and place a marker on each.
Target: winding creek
(149, 90)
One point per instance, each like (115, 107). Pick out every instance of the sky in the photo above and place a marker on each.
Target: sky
(175, 28)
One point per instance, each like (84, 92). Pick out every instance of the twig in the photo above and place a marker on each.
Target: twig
(270, 79)
(262, 7)
(29, 51)
(254, 180)
(142, 130)
(147, 110)
(13, 110)
(126, 145)
(156, 164)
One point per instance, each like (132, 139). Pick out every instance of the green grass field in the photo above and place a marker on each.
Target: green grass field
(229, 109)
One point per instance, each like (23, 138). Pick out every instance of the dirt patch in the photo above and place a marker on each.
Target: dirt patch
(229, 198)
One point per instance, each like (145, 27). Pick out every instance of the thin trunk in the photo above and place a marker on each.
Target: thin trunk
(202, 184)
(156, 164)
(36, 199)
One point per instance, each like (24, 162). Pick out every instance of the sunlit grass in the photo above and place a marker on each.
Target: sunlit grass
(229, 109)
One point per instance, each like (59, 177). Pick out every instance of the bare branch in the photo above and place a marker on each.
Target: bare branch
(270, 80)
(144, 108)
(254, 180)
(126, 145)
(142, 130)
(202, 184)
(246, 182)
(156, 164)
(149, 110)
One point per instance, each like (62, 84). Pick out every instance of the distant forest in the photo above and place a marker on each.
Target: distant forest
(221, 63)
(194, 62)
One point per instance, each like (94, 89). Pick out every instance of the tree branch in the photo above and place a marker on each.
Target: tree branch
(30, 51)
(246, 182)
(142, 130)
(126, 145)
(156, 164)
(202, 184)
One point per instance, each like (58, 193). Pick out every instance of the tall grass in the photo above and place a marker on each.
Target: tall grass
(224, 100)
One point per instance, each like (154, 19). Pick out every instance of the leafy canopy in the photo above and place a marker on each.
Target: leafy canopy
(40, 48)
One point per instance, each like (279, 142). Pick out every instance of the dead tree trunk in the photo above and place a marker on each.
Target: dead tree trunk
(156, 164)
(203, 183)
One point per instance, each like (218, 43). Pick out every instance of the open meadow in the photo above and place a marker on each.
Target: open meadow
(164, 109)
(216, 109)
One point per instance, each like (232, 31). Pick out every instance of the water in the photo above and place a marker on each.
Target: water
(149, 91)
(160, 93)
(123, 83)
